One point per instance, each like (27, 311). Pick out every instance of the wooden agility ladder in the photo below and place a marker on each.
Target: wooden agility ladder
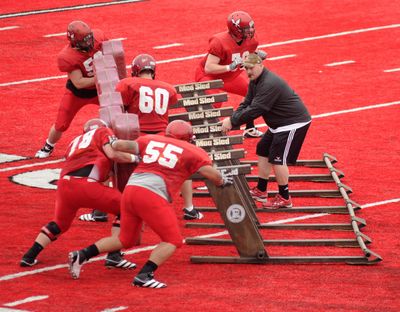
(235, 204)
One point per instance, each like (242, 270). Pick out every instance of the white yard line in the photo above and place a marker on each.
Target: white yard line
(166, 46)
(26, 300)
(8, 28)
(69, 8)
(346, 111)
(147, 248)
(340, 63)
(190, 57)
(115, 309)
(391, 70)
(49, 162)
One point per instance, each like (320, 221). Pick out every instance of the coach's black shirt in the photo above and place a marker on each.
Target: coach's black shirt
(272, 98)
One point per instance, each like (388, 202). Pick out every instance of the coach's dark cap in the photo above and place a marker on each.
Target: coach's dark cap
(251, 60)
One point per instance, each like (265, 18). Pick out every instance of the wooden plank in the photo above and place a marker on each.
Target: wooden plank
(344, 242)
(199, 86)
(283, 260)
(305, 162)
(202, 115)
(219, 141)
(228, 170)
(293, 193)
(299, 226)
(304, 209)
(227, 154)
(201, 100)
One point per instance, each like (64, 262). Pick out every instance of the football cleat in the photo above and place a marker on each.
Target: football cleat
(28, 262)
(147, 280)
(192, 214)
(45, 151)
(278, 202)
(116, 260)
(94, 216)
(258, 195)
(252, 133)
(76, 259)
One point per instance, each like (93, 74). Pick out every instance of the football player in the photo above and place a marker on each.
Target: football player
(89, 160)
(75, 59)
(167, 161)
(150, 99)
(225, 58)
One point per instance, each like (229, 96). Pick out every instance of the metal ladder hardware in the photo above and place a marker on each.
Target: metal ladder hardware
(238, 211)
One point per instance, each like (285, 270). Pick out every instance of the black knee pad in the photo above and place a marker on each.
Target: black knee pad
(51, 230)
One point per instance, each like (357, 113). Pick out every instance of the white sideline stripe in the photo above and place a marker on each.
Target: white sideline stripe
(138, 250)
(391, 70)
(77, 7)
(357, 109)
(11, 310)
(168, 46)
(345, 33)
(55, 35)
(339, 63)
(115, 309)
(275, 58)
(351, 110)
(26, 300)
(9, 27)
(50, 162)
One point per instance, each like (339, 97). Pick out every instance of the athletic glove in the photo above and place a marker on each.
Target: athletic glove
(135, 159)
(235, 64)
(262, 54)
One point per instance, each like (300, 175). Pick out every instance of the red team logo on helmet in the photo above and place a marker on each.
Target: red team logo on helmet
(143, 62)
(80, 36)
(94, 123)
(241, 25)
(181, 130)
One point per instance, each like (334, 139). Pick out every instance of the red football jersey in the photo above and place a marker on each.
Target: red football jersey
(174, 160)
(70, 59)
(87, 149)
(149, 99)
(223, 46)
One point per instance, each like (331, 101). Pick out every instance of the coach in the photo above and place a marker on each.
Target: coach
(288, 120)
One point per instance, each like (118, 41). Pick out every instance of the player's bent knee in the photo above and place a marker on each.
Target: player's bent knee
(51, 230)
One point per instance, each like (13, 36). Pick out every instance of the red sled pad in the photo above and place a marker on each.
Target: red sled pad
(126, 126)
(116, 50)
(111, 99)
(102, 62)
(106, 86)
(109, 113)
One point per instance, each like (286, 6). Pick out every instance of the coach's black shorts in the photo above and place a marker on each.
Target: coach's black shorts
(282, 148)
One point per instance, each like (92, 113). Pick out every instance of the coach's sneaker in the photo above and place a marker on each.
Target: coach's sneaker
(94, 216)
(192, 214)
(116, 260)
(258, 195)
(76, 259)
(45, 151)
(147, 280)
(252, 133)
(28, 262)
(278, 202)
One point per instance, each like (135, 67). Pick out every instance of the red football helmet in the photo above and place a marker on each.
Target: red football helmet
(80, 36)
(94, 123)
(181, 130)
(143, 62)
(241, 25)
